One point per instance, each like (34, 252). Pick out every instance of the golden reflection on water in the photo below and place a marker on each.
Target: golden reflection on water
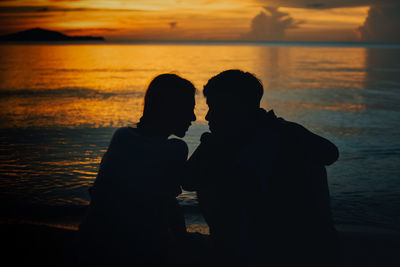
(103, 85)
(348, 94)
(303, 67)
(201, 228)
(73, 112)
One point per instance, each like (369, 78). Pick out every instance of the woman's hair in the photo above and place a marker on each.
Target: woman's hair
(164, 91)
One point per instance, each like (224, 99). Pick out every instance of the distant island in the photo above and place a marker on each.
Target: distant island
(42, 35)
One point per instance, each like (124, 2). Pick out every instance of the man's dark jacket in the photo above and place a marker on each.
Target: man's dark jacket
(264, 192)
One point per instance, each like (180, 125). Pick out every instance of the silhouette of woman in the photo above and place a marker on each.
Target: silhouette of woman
(133, 211)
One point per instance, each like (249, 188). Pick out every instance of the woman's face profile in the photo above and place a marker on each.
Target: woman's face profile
(169, 105)
(181, 115)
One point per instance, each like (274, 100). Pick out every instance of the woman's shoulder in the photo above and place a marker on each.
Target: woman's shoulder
(122, 131)
(125, 132)
(124, 136)
(128, 136)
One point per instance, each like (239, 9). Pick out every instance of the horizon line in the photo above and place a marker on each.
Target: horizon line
(202, 41)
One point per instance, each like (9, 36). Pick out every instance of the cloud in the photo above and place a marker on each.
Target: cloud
(33, 9)
(328, 4)
(381, 25)
(89, 29)
(172, 24)
(271, 25)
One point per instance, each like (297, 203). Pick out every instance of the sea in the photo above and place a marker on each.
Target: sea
(60, 104)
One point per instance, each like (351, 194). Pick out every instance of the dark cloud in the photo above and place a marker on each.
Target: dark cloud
(45, 9)
(327, 4)
(381, 25)
(315, 5)
(89, 29)
(33, 9)
(173, 24)
(271, 25)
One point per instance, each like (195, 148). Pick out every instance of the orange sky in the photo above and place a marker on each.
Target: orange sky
(174, 19)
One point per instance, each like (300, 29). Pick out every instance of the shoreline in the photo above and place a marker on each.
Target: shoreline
(54, 245)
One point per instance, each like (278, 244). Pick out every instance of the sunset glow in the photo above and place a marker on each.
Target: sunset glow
(179, 20)
(87, 103)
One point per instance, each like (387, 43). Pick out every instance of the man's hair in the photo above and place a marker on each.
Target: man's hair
(163, 91)
(237, 83)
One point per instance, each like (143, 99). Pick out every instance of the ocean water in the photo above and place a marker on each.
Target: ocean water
(60, 104)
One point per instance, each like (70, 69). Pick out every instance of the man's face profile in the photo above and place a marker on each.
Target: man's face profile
(225, 114)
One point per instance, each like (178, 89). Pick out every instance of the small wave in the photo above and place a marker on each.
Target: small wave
(382, 152)
(337, 69)
(316, 63)
(381, 69)
(321, 69)
(79, 92)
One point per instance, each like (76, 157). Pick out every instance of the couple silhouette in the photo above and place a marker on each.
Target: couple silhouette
(261, 184)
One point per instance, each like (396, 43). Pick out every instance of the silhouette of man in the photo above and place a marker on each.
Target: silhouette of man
(261, 181)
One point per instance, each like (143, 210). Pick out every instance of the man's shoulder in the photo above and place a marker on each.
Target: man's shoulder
(287, 130)
(177, 148)
(272, 137)
(285, 125)
(208, 139)
(205, 137)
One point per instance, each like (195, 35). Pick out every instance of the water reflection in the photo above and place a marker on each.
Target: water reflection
(71, 112)
(59, 106)
(383, 68)
(302, 80)
(382, 78)
(273, 66)
(102, 86)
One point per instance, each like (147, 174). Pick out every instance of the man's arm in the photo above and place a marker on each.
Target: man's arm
(176, 219)
(319, 149)
(194, 171)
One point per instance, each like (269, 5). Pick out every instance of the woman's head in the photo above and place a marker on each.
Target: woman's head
(169, 104)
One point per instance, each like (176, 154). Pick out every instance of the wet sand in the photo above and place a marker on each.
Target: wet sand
(28, 244)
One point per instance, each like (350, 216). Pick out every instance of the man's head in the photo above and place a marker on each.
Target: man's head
(232, 96)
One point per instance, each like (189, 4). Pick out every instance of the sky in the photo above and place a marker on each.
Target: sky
(288, 20)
